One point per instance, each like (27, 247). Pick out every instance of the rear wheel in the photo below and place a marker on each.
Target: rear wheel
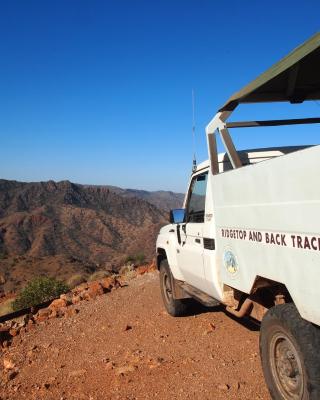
(175, 307)
(289, 349)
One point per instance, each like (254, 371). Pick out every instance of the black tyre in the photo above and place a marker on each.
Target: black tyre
(174, 307)
(290, 354)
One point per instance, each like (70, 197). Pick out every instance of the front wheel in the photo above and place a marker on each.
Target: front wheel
(174, 307)
(290, 354)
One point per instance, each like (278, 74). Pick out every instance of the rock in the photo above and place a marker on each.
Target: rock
(53, 314)
(58, 303)
(109, 364)
(8, 364)
(29, 354)
(142, 270)
(70, 312)
(75, 299)
(14, 331)
(155, 363)
(127, 328)
(95, 289)
(152, 266)
(12, 374)
(21, 322)
(124, 370)
(211, 329)
(4, 335)
(4, 328)
(225, 387)
(67, 297)
(61, 312)
(120, 282)
(77, 373)
(42, 315)
(212, 326)
(108, 283)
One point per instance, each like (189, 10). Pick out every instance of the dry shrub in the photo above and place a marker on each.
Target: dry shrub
(99, 275)
(76, 280)
(6, 307)
(126, 269)
(130, 274)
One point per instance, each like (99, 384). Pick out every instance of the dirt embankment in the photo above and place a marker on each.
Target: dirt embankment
(122, 345)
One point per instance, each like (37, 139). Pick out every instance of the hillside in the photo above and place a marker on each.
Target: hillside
(132, 349)
(59, 228)
(165, 200)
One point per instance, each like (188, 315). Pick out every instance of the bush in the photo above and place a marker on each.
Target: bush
(126, 269)
(137, 259)
(140, 258)
(129, 260)
(99, 275)
(38, 291)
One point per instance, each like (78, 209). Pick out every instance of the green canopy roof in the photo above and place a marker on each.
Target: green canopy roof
(295, 78)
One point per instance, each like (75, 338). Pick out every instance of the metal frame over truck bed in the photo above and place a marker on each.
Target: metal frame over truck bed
(294, 79)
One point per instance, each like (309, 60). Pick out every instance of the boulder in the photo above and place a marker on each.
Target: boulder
(108, 283)
(95, 289)
(42, 315)
(58, 303)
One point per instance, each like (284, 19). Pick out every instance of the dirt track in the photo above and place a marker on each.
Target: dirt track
(124, 346)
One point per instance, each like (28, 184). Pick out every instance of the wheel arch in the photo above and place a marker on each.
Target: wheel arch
(269, 292)
(161, 255)
(264, 294)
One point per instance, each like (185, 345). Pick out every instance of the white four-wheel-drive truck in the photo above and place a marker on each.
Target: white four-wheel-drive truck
(248, 235)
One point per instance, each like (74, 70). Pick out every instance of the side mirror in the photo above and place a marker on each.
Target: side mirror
(177, 216)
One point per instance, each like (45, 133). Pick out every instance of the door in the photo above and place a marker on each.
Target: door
(190, 251)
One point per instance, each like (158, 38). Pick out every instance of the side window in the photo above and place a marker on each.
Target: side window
(197, 198)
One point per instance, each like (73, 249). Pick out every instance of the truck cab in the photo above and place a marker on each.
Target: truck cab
(190, 241)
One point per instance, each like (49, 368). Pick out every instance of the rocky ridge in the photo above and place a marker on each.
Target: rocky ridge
(61, 228)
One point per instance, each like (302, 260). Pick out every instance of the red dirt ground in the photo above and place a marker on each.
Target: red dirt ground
(123, 345)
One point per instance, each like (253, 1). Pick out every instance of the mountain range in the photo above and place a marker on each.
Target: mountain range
(63, 228)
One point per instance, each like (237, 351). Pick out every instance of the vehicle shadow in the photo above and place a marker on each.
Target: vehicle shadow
(196, 308)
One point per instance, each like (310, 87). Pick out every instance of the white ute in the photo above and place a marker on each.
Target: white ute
(248, 235)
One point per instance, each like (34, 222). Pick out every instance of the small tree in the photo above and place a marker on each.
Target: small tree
(129, 260)
(140, 258)
(38, 291)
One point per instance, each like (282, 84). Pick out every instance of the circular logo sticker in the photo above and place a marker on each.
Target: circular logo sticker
(230, 262)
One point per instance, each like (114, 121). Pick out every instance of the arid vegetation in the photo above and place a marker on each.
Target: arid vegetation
(38, 291)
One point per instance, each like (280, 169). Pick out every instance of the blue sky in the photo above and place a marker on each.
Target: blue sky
(100, 91)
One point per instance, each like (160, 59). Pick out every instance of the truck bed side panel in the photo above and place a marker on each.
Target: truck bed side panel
(267, 220)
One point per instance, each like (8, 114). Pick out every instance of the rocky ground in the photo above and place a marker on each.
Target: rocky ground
(123, 345)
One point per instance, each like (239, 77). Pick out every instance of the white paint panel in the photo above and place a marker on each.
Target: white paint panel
(281, 195)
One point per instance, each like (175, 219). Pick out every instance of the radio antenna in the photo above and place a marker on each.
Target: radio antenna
(194, 162)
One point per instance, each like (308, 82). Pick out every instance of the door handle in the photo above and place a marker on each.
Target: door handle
(197, 240)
